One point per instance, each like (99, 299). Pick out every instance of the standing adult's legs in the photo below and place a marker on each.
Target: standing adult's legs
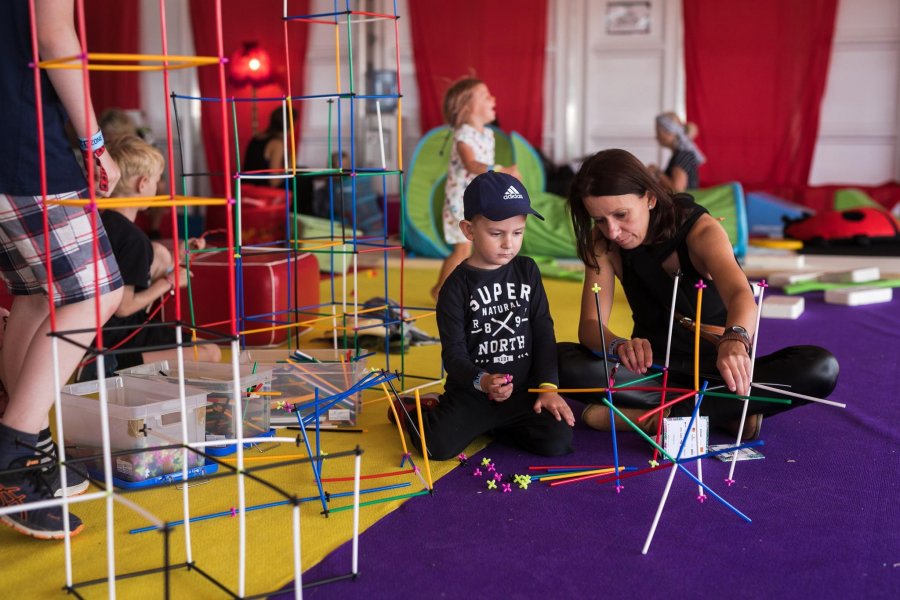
(29, 371)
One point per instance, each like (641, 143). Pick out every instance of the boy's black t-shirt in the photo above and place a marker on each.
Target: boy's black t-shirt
(497, 321)
(134, 253)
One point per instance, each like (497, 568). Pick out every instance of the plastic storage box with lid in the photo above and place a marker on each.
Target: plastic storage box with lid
(142, 414)
(332, 372)
(216, 380)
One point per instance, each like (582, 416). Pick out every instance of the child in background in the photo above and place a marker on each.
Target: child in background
(468, 108)
(146, 266)
(497, 336)
(682, 172)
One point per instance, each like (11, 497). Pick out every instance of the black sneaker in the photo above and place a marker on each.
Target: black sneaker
(29, 486)
(76, 483)
(407, 406)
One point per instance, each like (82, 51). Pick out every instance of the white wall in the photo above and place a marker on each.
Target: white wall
(859, 132)
(605, 88)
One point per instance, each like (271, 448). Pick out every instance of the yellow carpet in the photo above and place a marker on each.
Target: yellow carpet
(34, 569)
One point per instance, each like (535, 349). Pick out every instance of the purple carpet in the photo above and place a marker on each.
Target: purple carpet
(824, 505)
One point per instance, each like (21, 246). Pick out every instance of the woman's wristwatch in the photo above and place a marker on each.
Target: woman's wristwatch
(736, 333)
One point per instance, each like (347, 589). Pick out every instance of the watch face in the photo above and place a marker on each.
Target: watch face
(737, 329)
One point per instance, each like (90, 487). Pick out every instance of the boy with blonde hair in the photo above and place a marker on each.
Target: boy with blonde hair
(146, 266)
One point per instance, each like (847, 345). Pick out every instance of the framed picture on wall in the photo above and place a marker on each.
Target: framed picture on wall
(628, 17)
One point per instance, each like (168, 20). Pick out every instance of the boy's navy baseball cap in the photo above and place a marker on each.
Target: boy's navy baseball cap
(497, 196)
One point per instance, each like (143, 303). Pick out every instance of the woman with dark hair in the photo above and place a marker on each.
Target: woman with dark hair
(265, 150)
(629, 227)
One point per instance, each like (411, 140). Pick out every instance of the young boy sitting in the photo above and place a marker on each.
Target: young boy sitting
(497, 336)
(146, 266)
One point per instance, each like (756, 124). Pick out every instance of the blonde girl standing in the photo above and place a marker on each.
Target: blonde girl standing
(468, 108)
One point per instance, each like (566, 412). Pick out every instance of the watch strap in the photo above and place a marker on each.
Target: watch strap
(732, 335)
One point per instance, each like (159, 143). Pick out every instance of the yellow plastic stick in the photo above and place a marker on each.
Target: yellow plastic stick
(396, 420)
(578, 474)
(422, 440)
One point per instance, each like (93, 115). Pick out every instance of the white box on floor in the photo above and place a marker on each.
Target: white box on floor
(789, 277)
(783, 307)
(676, 428)
(858, 296)
(774, 261)
(860, 275)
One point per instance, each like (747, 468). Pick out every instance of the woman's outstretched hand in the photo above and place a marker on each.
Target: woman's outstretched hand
(733, 363)
(636, 355)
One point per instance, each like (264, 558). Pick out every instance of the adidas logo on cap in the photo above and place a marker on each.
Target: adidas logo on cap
(511, 193)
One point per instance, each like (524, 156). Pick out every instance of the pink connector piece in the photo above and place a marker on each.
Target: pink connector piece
(701, 498)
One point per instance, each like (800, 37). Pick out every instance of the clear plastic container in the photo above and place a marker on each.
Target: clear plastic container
(216, 380)
(142, 414)
(298, 382)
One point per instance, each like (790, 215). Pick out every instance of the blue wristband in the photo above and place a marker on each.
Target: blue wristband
(613, 349)
(96, 140)
(476, 383)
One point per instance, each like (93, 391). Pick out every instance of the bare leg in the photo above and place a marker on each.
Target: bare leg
(202, 353)
(29, 373)
(460, 253)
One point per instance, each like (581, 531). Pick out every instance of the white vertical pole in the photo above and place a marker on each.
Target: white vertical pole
(298, 571)
(355, 565)
(380, 134)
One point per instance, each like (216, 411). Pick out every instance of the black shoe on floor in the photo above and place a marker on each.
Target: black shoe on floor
(30, 486)
(76, 483)
(408, 406)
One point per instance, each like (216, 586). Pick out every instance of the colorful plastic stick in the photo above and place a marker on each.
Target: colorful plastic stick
(746, 403)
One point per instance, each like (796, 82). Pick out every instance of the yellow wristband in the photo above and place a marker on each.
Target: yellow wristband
(551, 386)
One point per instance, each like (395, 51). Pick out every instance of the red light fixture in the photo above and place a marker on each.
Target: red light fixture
(250, 65)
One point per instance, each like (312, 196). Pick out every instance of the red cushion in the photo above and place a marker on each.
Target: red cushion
(266, 295)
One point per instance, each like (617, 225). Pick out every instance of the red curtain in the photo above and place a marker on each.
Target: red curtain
(262, 23)
(755, 74)
(113, 26)
(499, 42)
